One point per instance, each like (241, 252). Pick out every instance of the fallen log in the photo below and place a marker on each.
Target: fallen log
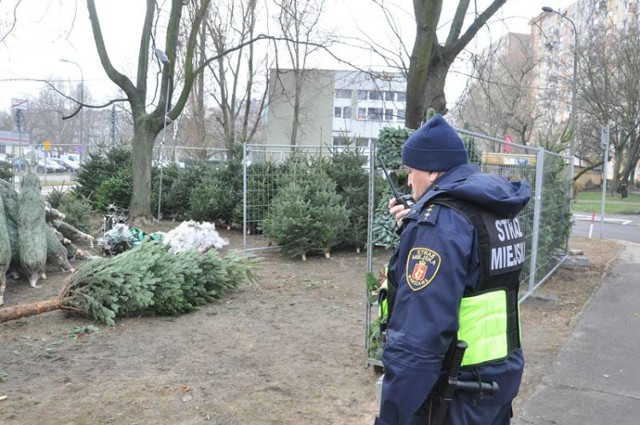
(26, 310)
(71, 233)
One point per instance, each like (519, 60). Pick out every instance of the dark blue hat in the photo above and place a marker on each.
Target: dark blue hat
(434, 147)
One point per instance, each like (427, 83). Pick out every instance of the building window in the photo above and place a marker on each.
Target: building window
(374, 113)
(389, 96)
(342, 112)
(388, 114)
(401, 96)
(362, 113)
(362, 95)
(401, 114)
(375, 95)
(343, 94)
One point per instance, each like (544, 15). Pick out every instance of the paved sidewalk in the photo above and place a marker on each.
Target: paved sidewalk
(596, 376)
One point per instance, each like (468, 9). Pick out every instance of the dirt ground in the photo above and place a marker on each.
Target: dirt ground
(288, 349)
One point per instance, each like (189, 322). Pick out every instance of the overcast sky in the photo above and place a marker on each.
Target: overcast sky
(49, 30)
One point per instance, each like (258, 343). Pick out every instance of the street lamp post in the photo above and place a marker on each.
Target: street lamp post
(82, 147)
(574, 88)
(162, 57)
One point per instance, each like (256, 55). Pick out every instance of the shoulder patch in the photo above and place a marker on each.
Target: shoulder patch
(422, 266)
(430, 214)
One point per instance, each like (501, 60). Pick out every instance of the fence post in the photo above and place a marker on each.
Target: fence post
(245, 160)
(537, 210)
(370, 216)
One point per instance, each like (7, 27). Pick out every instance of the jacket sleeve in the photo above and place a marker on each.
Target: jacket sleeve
(431, 270)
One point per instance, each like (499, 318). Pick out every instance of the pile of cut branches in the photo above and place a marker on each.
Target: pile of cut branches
(148, 280)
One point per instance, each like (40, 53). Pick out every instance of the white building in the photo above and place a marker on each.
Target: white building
(334, 106)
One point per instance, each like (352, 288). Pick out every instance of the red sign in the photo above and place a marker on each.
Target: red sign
(508, 147)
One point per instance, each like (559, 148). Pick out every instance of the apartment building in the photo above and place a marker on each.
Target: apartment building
(334, 107)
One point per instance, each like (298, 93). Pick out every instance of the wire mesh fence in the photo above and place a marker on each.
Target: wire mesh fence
(546, 219)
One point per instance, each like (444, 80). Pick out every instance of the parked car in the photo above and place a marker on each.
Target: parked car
(49, 166)
(71, 157)
(69, 166)
(18, 164)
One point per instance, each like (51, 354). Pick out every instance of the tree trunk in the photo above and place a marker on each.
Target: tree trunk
(27, 310)
(434, 91)
(419, 64)
(295, 122)
(141, 160)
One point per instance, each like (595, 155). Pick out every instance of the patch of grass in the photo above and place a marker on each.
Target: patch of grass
(84, 330)
(614, 204)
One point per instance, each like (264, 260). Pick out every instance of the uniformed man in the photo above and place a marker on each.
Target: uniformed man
(454, 276)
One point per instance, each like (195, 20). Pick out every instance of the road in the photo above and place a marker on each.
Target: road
(620, 227)
(49, 181)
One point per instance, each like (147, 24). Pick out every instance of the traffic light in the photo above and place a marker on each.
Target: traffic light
(19, 120)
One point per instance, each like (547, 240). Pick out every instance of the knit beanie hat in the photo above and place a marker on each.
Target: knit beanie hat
(434, 147)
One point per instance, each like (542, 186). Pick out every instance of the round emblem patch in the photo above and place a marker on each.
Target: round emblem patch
(422, 266)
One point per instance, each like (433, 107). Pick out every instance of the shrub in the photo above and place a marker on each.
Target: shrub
(99, 168)
(389, 148)
(115, 190)
(307, 215)
(352, 183)
(77, 212)
(54, 197)
(263, 181)
(219, 196)
(6, 171)
(213, 200)
(177, 191)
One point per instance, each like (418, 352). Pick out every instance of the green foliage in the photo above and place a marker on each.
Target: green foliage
(84, 330)
(213, 200)
(352, 183)
(475, 156)
(77, 211)
(219, 196)
(376, 345)
(262, 185)
(307, 215)
(32, 240)
(592, 201)
(54, 197)
(116, 190)
(384, 225)
(149, 280)
(554, 142)
(5, 240)
(99, 168)
(389, 145)
(6, 171)
(177, 186)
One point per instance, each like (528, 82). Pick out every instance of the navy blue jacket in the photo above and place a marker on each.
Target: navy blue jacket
(425, 318)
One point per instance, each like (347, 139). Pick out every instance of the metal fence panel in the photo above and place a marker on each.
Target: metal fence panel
(544, 218)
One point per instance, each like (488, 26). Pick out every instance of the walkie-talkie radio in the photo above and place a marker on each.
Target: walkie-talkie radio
(391, 178)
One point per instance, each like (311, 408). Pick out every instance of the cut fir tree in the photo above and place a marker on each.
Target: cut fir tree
(148, 280)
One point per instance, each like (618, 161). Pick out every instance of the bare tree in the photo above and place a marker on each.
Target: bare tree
(609, 94)
(299, 20)
(147, 124)
(235, 74)
(497, 101)
(49, 108)
(6, 27)
(430, 59)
